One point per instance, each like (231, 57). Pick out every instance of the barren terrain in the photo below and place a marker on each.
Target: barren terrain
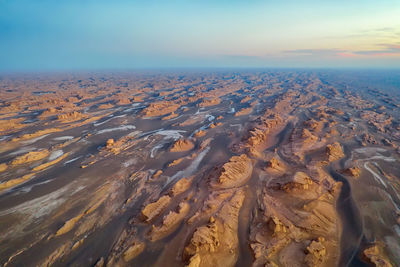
(274, 168)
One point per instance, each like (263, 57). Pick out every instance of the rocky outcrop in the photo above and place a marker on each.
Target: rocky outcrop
(157, 174)
(301, 181)
(170, 116)
(70, 116)
(376, 256)
(175, 162)
(182, 145)
(216, 243)
(110, 143)
(133, 251)
(243, 111)
(265, 125)
(297, 217)
(160, 109)
(207, 102)
(353, 171)
(316, 253)
(235, 172)
(170, 222)
(181, 186)
(274, 164)
(30, 157)
(200, 133)
(334, 152)
(154, 209)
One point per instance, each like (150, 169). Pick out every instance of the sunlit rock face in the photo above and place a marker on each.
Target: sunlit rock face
(274, 168)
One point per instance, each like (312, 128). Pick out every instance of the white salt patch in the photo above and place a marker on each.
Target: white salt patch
(134, 133)
(2, 138)
(127, 110)
(129, 163)
(56, 154)
(31, 141)
(170, 134)
(388, 159)
(375, 175)
(120, 128)
(27, 189)
(210, 117)
(372, 153)
(175, 118)
(147, 134)
(112, 117)
(202, 128)
(190, 169)
(63, 138)
(369, 150)
(37, 208)
(72, 160)
(232, 110)
(30, 121)
(155, 149)
(22, 150)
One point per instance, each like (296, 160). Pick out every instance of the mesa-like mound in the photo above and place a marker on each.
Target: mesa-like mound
(182, 145)
(235, 172)
(334, 151)
(30, 157)
(155, 208)
(160, 109)
(70, 116)
(216, 243)
(207, 102)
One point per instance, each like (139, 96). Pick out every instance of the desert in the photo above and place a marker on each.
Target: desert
(152, 170)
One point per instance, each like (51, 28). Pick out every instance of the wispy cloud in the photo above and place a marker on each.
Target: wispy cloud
(315, 52)
(387, 49)
(382, 50)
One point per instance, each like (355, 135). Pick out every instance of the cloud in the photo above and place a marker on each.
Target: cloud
(383, 50)
(387, 49)
(315, 52)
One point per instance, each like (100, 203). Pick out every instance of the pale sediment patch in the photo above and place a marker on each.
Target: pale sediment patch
(33, 140)
(28, 188)
(72, 160)
(168, 135)
(129, 163)
(34, 209)
(56, 154)
(202, 128)
(377, 177)
(23, 150)
(112, 117)
(120, 128)
(2, 138)
(190, 169)
(63, 138)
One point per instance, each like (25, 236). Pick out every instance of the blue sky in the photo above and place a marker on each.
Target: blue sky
(70, 35)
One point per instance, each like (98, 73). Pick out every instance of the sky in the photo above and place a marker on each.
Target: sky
(47, 35)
